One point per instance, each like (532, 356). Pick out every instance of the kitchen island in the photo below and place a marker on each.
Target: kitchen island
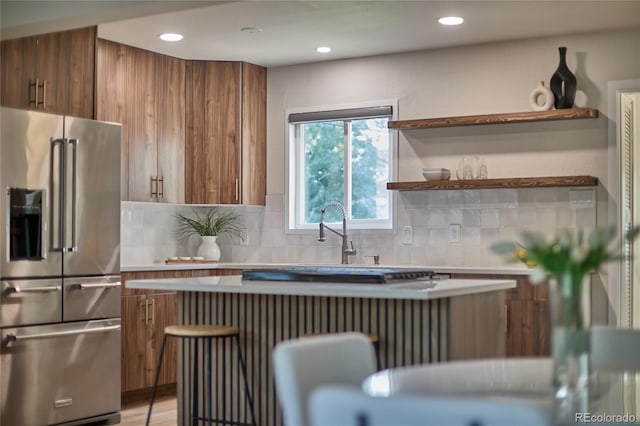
(416, 321)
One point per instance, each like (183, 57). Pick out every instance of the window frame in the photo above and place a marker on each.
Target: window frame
(294, 162)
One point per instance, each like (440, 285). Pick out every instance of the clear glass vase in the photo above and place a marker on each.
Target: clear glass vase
(569, 348)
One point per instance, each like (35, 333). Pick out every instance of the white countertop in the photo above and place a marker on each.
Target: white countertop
(249, 265)
(404, 290)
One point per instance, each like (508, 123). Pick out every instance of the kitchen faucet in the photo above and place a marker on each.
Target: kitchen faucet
(346, 251)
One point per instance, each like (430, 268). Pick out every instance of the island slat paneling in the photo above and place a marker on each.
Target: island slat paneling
(410, 331)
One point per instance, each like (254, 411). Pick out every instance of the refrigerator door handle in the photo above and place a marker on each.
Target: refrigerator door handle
(74, 185)
(45, 288)
(98, 285)
(57, 224)
(17, 338)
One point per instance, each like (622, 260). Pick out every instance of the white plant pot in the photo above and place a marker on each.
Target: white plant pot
(209, 248)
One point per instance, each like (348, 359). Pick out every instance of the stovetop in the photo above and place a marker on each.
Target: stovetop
(336, 274)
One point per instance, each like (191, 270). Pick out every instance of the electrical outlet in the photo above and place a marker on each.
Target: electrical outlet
(244, 237)
(454, 233)
(407, 234)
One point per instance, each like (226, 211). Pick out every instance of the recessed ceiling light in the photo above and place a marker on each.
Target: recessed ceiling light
(451, 20)
(171, 37)
(323, 49)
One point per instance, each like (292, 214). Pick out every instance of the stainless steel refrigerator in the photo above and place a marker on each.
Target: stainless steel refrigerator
(59, 269)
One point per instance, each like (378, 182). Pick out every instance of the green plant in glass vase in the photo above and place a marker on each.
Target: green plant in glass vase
(567, 260)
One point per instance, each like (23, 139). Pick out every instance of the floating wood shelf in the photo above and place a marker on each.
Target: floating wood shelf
(527, 182)
(513, 117)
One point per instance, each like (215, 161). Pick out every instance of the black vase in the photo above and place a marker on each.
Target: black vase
(563, 83)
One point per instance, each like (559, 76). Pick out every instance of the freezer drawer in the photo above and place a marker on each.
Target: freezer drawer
(27, 302)
(59, 373)
(87, 298)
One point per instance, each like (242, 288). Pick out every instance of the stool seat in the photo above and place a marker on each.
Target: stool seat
(201, 331)
(206, 334)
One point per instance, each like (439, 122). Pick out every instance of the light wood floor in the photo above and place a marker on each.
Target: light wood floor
(164, 413)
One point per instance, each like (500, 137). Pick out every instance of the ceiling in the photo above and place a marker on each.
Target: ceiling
(289, 31)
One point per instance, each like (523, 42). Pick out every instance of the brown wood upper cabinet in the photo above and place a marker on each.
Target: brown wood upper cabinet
(50, 72)
(225, 133)
(145, 92)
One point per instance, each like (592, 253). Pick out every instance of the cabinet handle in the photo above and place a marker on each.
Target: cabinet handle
(161, 192)
(146, 311)
(44, 94)
(35, 91)
(154, 179)
(142, 317)
(506, 318)
(237, 190)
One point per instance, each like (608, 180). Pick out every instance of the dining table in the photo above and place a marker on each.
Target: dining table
(522, 380)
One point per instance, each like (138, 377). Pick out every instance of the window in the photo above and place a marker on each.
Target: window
(343, 155)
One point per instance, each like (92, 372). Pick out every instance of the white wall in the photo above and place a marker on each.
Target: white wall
(482, 79)
(471, 80)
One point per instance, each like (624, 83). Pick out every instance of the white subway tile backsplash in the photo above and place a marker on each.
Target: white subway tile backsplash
(526, 217)
(454, 199)
(436, 198)
(489, 236)
(489, 218)
(585, 218)
(420, 236)
(471, 197)
(507, 217)
(566, 217)
(526, 196)
(470, 236)
(545, 196)
(546, 218)
(419, 256)
(436, 218)
(438, 237)
(137, 237)
(507, 197)
(137, 218)
(488, 196)
(486, 216)
(511, 233)
(437, 256)
(472, 256)
(455, 255)
(402, 255)
(455, 216)
(471, 217)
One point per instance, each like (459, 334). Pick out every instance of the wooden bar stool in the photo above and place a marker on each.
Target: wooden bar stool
(208, 333)
(374, 339)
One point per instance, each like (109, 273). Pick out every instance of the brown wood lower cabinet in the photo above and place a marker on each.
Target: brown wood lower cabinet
(145, 314)
(143, 321)
(527, 313)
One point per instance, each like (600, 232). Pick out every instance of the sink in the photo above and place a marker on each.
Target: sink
(339, 274)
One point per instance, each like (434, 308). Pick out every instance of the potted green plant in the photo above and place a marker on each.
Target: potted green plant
(211, 224)
(567, 260)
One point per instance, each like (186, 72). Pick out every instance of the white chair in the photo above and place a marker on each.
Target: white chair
(340, 406)
(615, 349)
(301, 365)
